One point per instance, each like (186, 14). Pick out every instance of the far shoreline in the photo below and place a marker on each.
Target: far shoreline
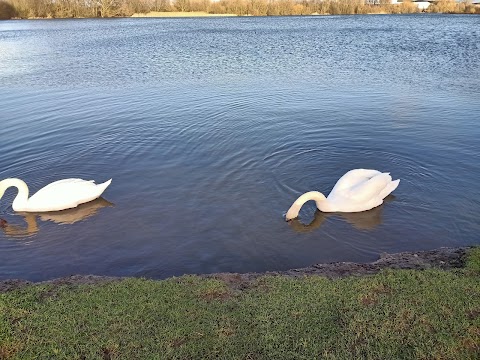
(204, 14)
(175, 14)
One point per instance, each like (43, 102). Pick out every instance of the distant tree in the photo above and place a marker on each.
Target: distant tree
(443, 6)
(7, 11)
(162, 5)
(182, 5)
(469, 7)
(251, 7)
(108, 8)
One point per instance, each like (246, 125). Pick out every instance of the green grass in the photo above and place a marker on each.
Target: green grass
(473, 260)
(431, 314)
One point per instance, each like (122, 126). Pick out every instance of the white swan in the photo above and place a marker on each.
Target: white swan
(59, 195)
(357, 190)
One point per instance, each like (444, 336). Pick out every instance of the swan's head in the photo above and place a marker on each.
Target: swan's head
(292, 213)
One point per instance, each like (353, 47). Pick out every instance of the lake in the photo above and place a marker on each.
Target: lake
(212, 127)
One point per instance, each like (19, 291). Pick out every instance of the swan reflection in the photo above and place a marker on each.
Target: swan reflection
(64, 217)
(366, 220)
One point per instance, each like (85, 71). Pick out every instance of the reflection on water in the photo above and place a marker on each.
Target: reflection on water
(365, 220)
(64, 217)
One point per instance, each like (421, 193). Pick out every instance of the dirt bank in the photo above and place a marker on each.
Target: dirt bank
(443, 258)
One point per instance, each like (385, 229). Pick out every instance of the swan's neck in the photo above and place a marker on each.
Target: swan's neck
(20, 201)
(319, 198)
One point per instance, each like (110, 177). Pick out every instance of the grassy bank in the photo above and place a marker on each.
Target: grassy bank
(396, 314)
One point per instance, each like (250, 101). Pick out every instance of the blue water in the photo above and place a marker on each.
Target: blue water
(211, 127)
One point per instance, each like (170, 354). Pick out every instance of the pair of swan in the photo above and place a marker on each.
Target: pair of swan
(357, 190)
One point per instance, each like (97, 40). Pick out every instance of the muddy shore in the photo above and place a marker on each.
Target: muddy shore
(442, 258)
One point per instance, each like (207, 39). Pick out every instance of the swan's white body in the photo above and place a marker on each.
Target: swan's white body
(357, 190)
(59, 195)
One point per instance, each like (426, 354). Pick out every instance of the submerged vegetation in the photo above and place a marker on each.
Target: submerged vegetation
(112, 8)
(395, 314)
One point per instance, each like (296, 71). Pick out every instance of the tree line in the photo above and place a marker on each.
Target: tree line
(122, 8)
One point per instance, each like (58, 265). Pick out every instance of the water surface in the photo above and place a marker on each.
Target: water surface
(210, 128)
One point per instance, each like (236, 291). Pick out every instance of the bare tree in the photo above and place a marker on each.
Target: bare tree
(7, 11)
(108, 7)
(182, 5)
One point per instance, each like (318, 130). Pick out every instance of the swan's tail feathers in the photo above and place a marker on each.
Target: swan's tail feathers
(389, 188)
(103, 186)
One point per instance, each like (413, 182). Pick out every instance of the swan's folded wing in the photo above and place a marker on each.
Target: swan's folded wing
(354, 178)
(63, 194)
(369, 189)
(65, 182)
